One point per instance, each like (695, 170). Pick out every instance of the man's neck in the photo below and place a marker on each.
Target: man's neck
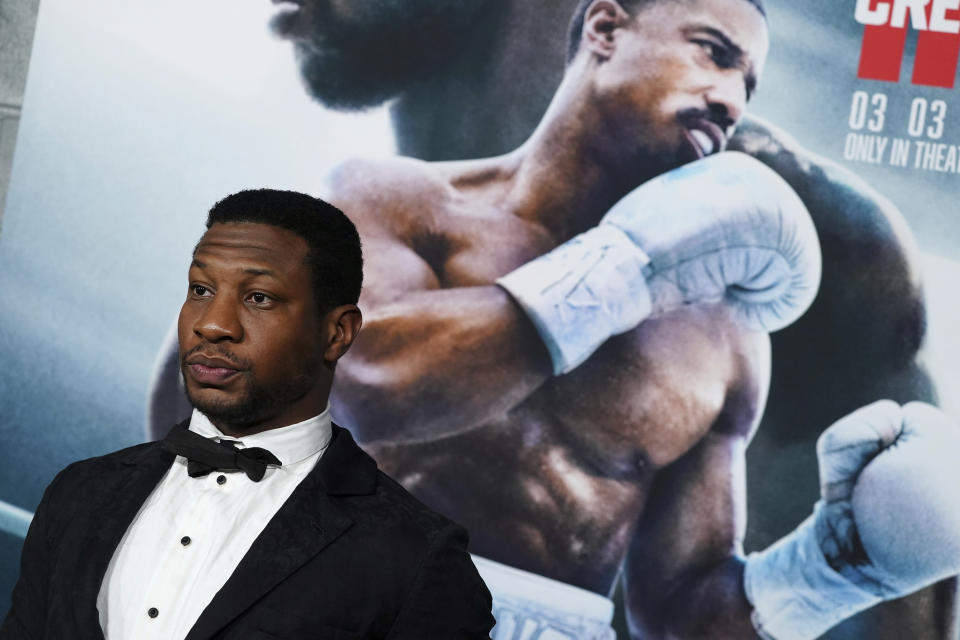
(569, 172)
(241, 430)
(489, 99)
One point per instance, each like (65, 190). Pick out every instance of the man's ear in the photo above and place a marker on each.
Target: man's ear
(601, 20)
(343, 325)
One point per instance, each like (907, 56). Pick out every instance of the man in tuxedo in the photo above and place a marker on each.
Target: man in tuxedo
(258, 517)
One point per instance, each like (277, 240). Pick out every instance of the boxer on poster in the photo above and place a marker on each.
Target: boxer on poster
(593, 409)
(860, 339)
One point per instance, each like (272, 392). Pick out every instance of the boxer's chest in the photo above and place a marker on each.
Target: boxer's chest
(476, 249)
(644, 398)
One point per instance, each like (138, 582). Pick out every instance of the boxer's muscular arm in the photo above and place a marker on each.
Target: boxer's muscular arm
(435, 362)
(429, 361)
(683, 575)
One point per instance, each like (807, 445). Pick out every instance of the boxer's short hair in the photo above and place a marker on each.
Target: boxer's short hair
(334, 256)
(630, 6)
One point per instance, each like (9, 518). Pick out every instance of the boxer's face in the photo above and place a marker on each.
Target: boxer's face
(681, 74)
(250, 334)
(358, 53)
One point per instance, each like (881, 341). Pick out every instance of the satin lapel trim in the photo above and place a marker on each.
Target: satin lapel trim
(306, 523)
(109, 520)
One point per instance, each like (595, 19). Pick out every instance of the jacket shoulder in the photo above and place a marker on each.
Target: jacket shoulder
(113, 458)
(374, 500)
(411, 509)
(74, 477)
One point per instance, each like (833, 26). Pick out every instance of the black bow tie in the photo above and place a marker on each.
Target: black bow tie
(204, 455)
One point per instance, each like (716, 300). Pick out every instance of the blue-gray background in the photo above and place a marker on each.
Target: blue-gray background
(138, 116)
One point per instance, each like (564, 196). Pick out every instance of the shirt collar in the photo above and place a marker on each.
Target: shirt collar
(291, 444)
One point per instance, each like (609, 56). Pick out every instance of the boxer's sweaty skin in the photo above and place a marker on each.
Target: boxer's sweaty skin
(641, 447)
(450, 388)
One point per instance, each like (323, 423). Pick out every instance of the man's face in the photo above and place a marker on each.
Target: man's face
(681, 75)
(251, 349)
(357, 53)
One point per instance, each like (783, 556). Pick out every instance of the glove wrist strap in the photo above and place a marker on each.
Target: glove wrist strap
(581, 293)
(794, 592)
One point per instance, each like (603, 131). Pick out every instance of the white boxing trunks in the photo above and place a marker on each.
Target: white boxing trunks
(531, 607)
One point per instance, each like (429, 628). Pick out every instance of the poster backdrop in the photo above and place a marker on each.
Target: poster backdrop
(139, 116)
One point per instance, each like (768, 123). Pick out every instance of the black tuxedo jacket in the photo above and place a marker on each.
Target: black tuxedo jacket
(349, 555)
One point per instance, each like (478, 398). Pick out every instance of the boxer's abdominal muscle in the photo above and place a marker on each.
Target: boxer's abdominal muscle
(557, 485)
(556, 481)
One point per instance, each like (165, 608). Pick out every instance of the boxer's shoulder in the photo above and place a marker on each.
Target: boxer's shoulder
(438, 209)
(396, 173)
(743, 361)
(384, 192)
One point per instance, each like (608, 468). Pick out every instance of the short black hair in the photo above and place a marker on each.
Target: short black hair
(334, 256)
(630, 6)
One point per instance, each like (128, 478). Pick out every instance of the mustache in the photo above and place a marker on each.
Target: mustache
(717, 116)
(215, 350)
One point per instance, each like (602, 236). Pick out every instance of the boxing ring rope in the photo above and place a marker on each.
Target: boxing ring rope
(14, 520)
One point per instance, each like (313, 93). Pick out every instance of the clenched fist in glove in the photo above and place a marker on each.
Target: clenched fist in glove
(887, 524)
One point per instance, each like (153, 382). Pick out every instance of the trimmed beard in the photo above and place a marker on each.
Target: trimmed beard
(259, 403)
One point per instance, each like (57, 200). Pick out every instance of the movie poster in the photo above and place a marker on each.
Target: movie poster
(137, 118)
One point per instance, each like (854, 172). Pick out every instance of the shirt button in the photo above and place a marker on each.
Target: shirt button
(221, 479)
(185, 540)
(152, 612)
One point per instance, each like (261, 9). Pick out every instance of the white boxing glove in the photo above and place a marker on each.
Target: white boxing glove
(906, 506)
(725, 228)
(888, 523)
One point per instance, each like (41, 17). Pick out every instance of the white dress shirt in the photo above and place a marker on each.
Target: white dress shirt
(191, 533)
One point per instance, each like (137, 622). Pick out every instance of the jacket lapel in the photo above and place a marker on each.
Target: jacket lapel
(109, 519)
(306, 523)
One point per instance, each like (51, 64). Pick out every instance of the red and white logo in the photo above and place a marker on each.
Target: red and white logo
(885, 34)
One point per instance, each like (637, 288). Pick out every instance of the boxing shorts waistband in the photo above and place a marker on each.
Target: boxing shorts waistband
(528, 606)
